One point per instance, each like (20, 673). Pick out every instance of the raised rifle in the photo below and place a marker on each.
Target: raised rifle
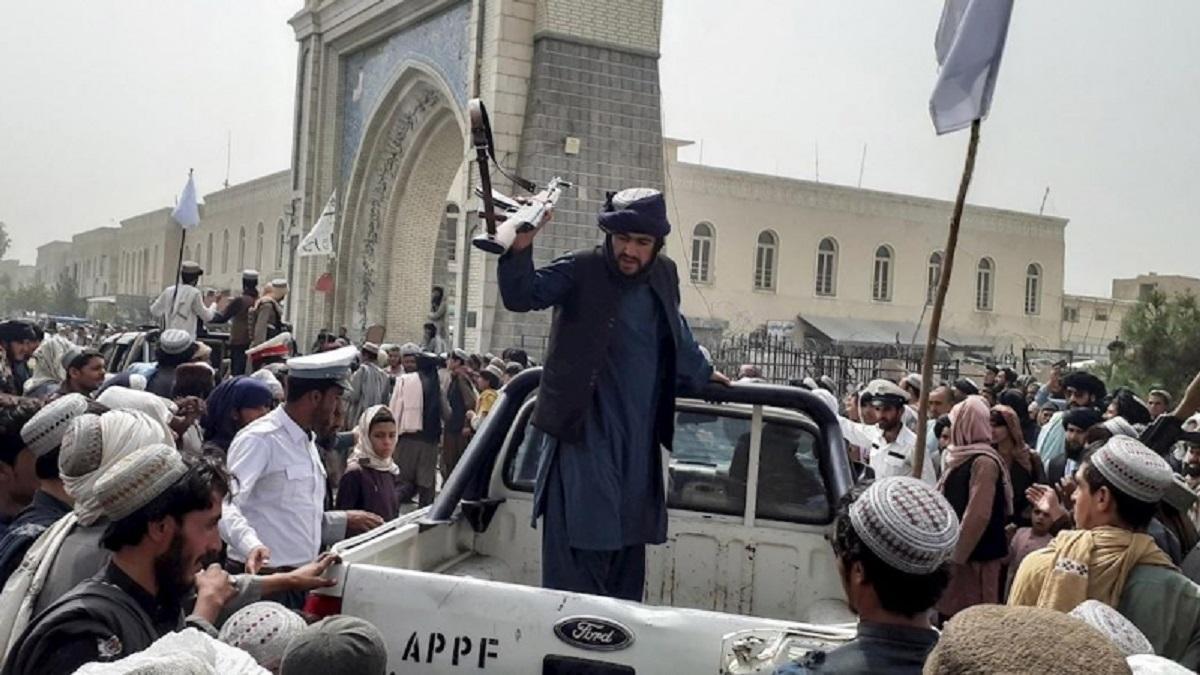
(504, 217)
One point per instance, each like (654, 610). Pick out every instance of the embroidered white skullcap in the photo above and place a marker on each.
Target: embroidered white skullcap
(263, 630)
(409, 349)
(175, 341)
(44, 431)
(1133, 468)
(1149, 664)
(82, 447)
(137, 479)
(1116, 627)
(908, 524)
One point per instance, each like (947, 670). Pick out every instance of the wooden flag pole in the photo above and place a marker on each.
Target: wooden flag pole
(939, 301)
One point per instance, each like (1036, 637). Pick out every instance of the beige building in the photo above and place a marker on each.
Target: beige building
(18, 275)
(857, 266)
(1139, 287)
(241, 227)
(1090, 324)
(51, 262)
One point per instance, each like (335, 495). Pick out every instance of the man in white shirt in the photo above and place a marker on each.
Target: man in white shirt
(889, 441)
(276, 520)
(184, 309)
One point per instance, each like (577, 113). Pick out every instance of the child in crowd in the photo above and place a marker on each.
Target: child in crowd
(369, 483)
(488, 382)
(1026, 540)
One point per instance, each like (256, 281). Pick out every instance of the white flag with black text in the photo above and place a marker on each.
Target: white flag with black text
(319, 241)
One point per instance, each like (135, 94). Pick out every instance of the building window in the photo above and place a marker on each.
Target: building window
(827, 258)
(932, 277)
(764, 261)
(225, 252)
(450, 231)
(258, 256)
(280, 245)
(881, 276)
(242, 248)
(703, 236)
(208, 265)
(1144, 291)
(1071, 314)
(1033, 289)
(983, 285)
(1102, 315)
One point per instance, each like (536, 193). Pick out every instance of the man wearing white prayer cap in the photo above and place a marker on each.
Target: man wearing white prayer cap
(43, 435)
(893, 541)
(1111, 558)
(184, 308)
(163, 511)
(277, 521)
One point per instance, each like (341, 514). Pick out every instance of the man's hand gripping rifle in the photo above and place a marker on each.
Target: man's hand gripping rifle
(504, 216)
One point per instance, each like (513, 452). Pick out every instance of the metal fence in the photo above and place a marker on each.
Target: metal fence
(780, 360)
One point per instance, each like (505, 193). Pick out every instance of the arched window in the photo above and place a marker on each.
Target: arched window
(827, 258)
(258, 256)
(279, 245)
(983, 284)
(225, 252)
(242, 249)
(703, 236)
(933, 277)
(208, 260)
(449, 239)
(881, 275)
(1033, 289)
(764, 261)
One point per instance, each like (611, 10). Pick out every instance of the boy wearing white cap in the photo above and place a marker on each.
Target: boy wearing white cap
(1110, 557)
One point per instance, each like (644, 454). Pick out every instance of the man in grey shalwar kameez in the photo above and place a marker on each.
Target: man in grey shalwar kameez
(619, 350)
(369, 385)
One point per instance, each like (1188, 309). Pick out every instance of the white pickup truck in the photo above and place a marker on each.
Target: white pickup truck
(745, 582)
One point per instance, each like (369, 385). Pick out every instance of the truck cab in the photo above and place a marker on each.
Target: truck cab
(746, 580)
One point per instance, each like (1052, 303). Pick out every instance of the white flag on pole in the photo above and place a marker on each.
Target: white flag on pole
(319, 240)
(187, 211)
(969, 44)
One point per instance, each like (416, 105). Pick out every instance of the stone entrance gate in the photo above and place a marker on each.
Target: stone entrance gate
(381, 96)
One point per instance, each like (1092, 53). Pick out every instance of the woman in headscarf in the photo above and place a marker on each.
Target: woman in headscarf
(1024, 465)
(1013, 398)
(48, 369)
(370, 480)
(231, 406)
(977, 485)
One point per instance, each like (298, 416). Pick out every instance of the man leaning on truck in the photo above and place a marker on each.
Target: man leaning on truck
(618, 350)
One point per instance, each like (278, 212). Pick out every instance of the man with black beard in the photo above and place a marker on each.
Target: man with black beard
(163, 511)
(1076, 423)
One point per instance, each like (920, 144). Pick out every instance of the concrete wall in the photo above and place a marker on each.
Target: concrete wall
(51, 262)
(1090, 323)
(1171, 284)
(741, 205)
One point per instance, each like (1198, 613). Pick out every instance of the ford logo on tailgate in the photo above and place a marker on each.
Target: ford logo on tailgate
(590, 632)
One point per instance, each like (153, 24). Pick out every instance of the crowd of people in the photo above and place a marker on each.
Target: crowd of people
(175, 512)
(168, 508)
(1063, 496)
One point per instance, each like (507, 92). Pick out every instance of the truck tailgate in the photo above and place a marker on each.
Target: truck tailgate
(436, 623)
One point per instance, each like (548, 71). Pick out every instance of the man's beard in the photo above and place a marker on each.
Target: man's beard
(1074, 452)
(169, 571)
(1191, 470)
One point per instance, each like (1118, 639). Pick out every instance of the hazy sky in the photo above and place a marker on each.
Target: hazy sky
(107, 103)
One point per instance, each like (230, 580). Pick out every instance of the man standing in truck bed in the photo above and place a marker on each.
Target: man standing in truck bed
(618, 348)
